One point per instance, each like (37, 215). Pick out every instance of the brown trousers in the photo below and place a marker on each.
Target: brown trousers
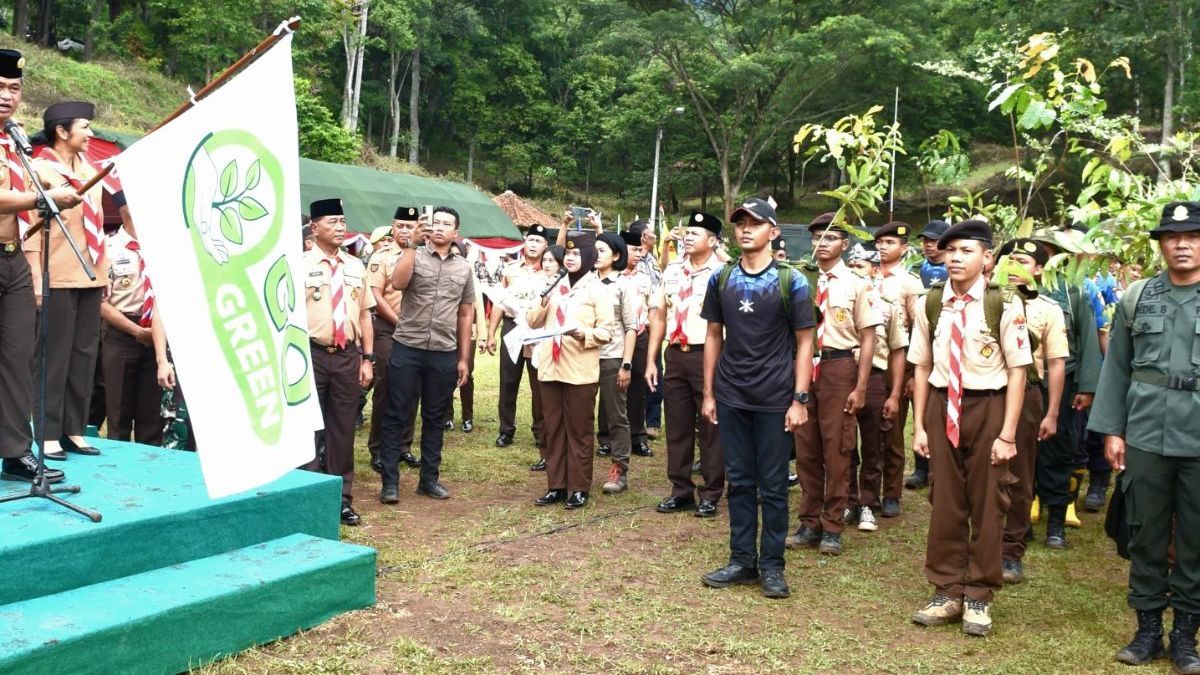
(133, 399)
(568, 417)
(866, 467)
(970, 497)
(894, 450)
(683, 396)
(1016, 522)
(336, 377)
(823, 448)
(17, 352)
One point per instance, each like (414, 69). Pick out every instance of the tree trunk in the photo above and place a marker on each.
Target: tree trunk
(414, 102)
(1168, 118)
(703, 192)
(20, 18)
(45, 19)
(89, 36)
(360, 51)
(394, 98)
(791, 175)
(471, 161)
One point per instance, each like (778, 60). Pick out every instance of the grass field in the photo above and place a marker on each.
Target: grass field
(487, 582)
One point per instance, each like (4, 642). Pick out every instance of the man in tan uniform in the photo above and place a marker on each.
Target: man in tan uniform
(967, 397)
(342, 340)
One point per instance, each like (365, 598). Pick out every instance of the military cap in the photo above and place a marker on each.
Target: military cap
(974, 230)
(867, 252)
(935, 229)
(325, 207)
(1178, 217)
(380, 232)
(542, 231)
(825, 222)
(69, 110)
(580, 240)
(706, 221)
(12, 63)
(778, 244)
(407, 213)
(1026, 246)
(620, 251)
(896, 228)
(758, 209)
(631, 238)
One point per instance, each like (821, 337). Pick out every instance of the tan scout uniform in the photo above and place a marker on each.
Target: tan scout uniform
(866, 476)
(336, 370)
(682, 294)
(825, 443)
(904, 287)
(965, 531)
(131, 393)
(380, 266)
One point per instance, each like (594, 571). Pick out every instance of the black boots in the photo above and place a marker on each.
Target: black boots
(1183, 642)
(1147, 643)
(1056, 527)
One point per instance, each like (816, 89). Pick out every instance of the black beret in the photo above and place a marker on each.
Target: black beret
(631, 238)
(543, 232)
(1178, 217)
(975, 230)
(935, 229)
(325, 207)
(407, 213)
(12, 63)
(824, 222)
(705, 220)
(1027, 247)
(617, 244)
(778, 244)
(896, 228)
(69, 110)
(758, 209)
(580, 240)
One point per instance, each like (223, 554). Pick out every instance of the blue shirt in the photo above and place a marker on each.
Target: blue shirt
(1093, 293)
(932, 273)
(757, 368)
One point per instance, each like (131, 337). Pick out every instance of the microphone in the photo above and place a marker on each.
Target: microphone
(18, 137)
(561, 273)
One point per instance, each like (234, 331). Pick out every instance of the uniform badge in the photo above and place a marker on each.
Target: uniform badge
(1020, 343)
(126, 282)
(316, 295)
(840, 315)
(987, 351)
(1180, 213)
(374, 267)
(1019, 322)
(20, 63)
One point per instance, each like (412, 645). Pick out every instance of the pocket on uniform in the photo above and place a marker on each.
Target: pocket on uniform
(1196, 345)
(986, 348)
(1148, 339)
(1005, 486)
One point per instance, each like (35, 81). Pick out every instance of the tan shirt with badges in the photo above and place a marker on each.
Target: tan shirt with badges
(891, 334)
(124, 271)
(523, 285)
(1046, 320)
(65, 271)
(677, 278)
(900, 285)
(850, 307)
(380, 266)
(986, 357)
(320, 301)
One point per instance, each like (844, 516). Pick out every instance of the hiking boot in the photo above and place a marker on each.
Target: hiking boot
(831, 543)
(1056, 532)
(1014, 573)
(866, 520)
(941, 610)
(977, 618)
(850, 514)
(890, 508)
(774, 585)
(616, 481)
(1183, 643)
(1097, 492)
(1147, 643)
(917, 480)
(804, 536)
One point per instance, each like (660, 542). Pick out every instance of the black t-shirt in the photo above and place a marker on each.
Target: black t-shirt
(757, 369)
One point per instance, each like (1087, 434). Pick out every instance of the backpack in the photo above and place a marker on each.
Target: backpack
(993, 310)
(785, 271)
(1129, 301)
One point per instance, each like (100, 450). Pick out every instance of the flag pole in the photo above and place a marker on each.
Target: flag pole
(892, 187)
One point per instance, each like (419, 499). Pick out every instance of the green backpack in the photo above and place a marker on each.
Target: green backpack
(993, 310)
(1129, 300)
(786, 270)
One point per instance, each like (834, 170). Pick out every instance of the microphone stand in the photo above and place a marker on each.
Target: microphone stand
(48, 211)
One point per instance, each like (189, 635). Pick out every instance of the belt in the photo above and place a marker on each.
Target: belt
(977, 393)
(331, 349)
(10, 248)
(832, 354)
(686, 348)
(1180, 382)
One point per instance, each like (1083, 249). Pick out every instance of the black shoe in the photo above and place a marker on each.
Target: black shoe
(1093, 502)
(376, 463)
(676, 504)
(434, 491)
(604, 450)
(468, 426)
(350, 516)
(890, 508)
(642, 450)
(850, 515)
(449, 426)
(1147, 643)
(69, 446)
(504, 440)
(1056, 529)
(59, 455)
(729, 575)
(917, 480)
(804, 536)
(707, 508)
(1013, 572)
(24, 468)
(774, 585)
(551, 497)
(1183, 643)
(540, 466)
(577, 500)
(831, 543)
(411, 460)
(793, 480)
(390, 494)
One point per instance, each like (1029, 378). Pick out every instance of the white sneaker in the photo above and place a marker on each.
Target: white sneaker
(866, 520)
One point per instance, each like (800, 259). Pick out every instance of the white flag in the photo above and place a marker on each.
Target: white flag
(215, 195)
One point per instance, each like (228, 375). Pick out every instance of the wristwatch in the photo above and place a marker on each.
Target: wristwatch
(627, 366)
(370, 358)
(801, 397)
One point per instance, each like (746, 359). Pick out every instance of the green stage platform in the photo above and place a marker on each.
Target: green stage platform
(169, 574)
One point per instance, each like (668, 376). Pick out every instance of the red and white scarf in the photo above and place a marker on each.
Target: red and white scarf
(93, 229)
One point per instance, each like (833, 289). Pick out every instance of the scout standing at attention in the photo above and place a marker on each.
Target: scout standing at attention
(1146, 405)
(342, 340)
(969, 387)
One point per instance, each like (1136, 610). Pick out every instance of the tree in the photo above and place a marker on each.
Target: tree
(354, 43)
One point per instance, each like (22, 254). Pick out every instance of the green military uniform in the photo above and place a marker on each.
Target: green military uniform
(1149, 395)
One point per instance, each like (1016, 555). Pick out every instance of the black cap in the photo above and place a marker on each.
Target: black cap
(580, 240)
(631, 238)
(778, 244)
(705, 220)
(758, 209)
(975, 230)
(542, 231)
(1027, 247)
(69, 110)
(407, 213)
(896, 228)
(935, 229)
(617, 244)
(325, 207)
(1178, 217)
(825, 222)
(12, 63)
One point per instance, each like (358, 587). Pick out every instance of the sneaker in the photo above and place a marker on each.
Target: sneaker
(850, 515)
(941, 610)
(1013, 571)
(977, 618)
(350, 516)
(468, 426)
(831, 543)
(616, 481)
(696, 466)
(866, 520)
(805, 536)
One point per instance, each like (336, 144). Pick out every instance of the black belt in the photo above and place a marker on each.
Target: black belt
(1180, 382)
(686, 348)
(10, 248)
(833, 354)
(136, 318)
(976, 393)
(332, 349)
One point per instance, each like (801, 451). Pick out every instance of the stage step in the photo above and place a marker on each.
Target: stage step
(156, 514)
(171, 619)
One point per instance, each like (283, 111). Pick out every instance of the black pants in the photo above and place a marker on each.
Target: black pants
(73, 342)
(381, 402)
(336, 378)
(17, 348)
(635, 395)
(756, 450)
(510, 387)
(1059, 455)
(133, 399)
(431, 376)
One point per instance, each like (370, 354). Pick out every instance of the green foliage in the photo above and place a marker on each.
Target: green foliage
(321, 137)
(941, 160)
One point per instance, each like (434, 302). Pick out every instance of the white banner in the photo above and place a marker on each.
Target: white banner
(215, 195)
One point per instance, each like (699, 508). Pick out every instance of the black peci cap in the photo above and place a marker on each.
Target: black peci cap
(705, 220)
(542, 231)
(407, 213)
(631, 238)
(325, 207)
(778, 244)
(975, 230)
(12, 63)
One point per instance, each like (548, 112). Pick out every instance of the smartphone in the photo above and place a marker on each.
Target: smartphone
(580, 213)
